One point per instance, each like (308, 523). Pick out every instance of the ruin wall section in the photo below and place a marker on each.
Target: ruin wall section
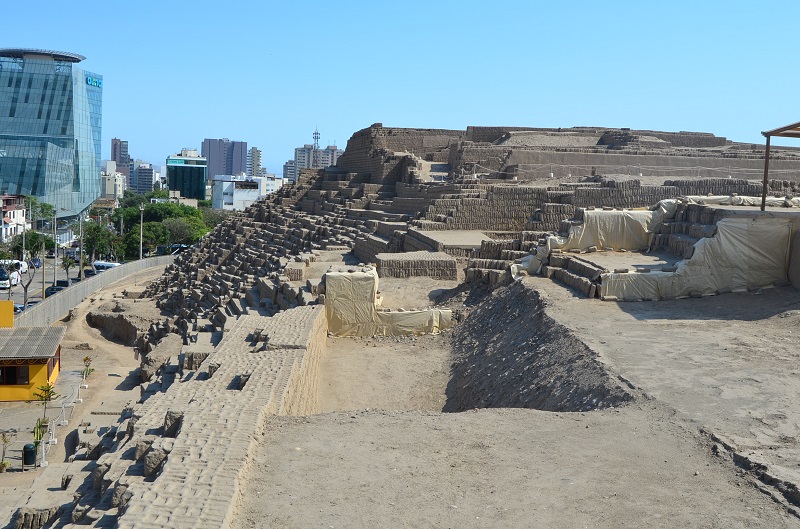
(371, 150)
(696, 166)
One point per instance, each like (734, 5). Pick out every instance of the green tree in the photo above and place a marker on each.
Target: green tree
(156, 193)
(67, 263)
(153, 234)
(96, 239)
(132, 199)
(184, 230)
(212, 217)
(47, 393)
(40, 211)
(33, 243)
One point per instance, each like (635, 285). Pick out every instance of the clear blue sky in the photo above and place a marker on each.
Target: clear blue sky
(270, 72)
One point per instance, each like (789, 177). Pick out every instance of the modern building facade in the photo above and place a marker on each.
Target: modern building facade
(119, 154)
(187, 173)
(289, 171)
(224, 157)
(145, 175)
(236, 192)
(50, 128)
(254, 167)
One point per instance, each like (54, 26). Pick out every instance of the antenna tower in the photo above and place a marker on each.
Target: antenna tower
(315, 152)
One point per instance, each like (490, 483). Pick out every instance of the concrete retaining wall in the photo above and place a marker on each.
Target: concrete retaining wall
(57, 305)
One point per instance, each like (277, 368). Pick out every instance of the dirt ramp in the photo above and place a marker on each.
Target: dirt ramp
(510, 354)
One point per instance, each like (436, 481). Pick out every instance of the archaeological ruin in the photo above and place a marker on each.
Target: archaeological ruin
(514, 223)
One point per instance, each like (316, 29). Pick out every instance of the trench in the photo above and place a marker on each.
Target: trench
(508, 353)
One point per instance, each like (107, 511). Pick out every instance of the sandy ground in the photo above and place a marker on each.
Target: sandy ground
(634, 467)
(111, 386)
(728, 362)
(383, 455)
(651, 463)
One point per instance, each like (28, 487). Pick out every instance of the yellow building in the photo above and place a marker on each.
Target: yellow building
(30, 357)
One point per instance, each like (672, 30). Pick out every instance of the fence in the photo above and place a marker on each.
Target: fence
(57, 305)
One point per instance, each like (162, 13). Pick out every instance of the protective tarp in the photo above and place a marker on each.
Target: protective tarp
(745, 253)
(351, 307)
(629, 229)
(731, 200)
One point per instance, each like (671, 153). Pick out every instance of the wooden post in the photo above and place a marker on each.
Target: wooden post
(766, 177)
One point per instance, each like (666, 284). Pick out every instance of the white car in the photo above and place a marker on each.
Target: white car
(104, 265)
(13, 263)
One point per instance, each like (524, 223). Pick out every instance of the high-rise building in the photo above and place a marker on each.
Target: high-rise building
(144, 178)
(225, 157)
(119, 154)
(187, 174)
(254, 167)
(50, 128)
(310, 156)
(289, 171)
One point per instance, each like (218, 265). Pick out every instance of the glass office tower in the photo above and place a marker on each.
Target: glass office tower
(50, 123)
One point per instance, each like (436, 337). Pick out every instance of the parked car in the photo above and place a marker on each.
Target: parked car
(89, 272)
(14, 264)
(36, 262)
(49, 291)
(50, 254)
(18, 308)
(5, 281)
(104, 265)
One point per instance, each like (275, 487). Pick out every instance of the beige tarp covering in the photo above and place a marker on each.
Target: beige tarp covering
(745, 253)
(352, 310)
(629, 229)
(729, 200)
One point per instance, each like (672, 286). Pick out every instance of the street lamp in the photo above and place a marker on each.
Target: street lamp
(141, 229)
(55, 249)
(80, 250)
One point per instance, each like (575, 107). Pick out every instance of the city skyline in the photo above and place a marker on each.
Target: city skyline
(693, 66)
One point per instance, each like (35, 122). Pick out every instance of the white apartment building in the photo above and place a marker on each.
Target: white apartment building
(112, 185)
(237, 192)
(14, 218)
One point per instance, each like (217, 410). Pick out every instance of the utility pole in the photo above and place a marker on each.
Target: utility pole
(55, 249)
(80, 250)
(44, 268)
(141, 229)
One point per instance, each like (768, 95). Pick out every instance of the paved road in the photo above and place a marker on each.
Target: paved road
(35, 288)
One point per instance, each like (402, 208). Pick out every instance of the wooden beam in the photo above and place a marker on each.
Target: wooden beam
(766, 177)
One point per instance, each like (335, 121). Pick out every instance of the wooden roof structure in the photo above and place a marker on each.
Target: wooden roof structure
(789, 131)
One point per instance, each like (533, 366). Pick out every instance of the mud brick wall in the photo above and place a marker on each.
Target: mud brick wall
(696, 165)
(367, 247)
(371, 150)
(465, 155)
(491, 134)
(192, 443)
(430, 264)
(549, 216)
(687, 139)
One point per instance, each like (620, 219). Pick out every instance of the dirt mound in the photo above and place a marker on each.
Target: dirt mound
(509, 353)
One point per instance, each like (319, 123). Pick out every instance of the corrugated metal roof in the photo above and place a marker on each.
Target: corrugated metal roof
(30, 342)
